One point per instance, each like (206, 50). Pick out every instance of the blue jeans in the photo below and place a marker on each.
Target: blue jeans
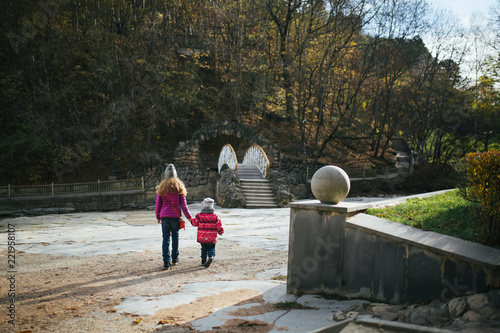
(207, 250)
(170, 227)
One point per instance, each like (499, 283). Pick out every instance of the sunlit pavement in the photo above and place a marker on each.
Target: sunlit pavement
(108, 233)
(100, 233)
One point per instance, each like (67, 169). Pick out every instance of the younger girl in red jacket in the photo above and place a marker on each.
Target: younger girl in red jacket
(209, 225)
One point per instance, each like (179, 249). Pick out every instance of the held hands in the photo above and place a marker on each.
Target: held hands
(190, 220)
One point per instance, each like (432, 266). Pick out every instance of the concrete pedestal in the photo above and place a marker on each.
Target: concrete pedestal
(316, 242)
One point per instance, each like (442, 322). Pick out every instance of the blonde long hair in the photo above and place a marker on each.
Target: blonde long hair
(171, 185)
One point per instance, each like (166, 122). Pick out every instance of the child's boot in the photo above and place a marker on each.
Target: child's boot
(209, 261)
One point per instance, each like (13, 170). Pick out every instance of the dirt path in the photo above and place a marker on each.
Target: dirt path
(74, 294)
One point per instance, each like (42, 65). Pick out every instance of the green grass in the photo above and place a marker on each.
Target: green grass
(447, 214)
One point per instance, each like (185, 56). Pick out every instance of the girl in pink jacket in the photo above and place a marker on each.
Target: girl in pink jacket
(170, 204)
(209, 225)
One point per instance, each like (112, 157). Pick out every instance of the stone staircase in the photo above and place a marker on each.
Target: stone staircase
(403, 158)
(257, 190)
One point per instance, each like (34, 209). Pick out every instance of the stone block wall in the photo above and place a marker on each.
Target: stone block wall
(200, 183)
(301, 169)
(187, 154)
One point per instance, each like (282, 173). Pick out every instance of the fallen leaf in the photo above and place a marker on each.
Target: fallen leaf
(71, 308)
(137, 321)
(247, 323)
(111, 311)
(163, 322)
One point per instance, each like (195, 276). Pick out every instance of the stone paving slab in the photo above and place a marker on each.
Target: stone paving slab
(90, 234)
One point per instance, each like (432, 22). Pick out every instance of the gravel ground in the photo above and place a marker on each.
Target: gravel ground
(79, 291)
(74, 294)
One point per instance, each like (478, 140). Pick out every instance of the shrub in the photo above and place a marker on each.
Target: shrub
(483, 187)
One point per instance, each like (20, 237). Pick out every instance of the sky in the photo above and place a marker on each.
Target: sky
(464, 9)
(470, 13)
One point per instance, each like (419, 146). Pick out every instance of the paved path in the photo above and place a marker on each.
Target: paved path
(99, 233)
(91, 234)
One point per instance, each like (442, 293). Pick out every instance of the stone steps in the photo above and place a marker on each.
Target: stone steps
(248, 171)
(257, 190)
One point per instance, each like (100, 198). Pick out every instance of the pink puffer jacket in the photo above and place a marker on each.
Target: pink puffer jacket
(163, 207)
(209, 225)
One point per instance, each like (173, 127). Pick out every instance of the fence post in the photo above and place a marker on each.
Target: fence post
(364, 172)
(99, 185)
(9, 190)
(142, 181)
(53, 192)
(386, 172)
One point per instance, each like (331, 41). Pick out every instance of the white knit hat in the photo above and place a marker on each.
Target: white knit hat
(170, 171)
(208, 203)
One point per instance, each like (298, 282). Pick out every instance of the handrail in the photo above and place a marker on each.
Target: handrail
(256, 155)
(227, 156)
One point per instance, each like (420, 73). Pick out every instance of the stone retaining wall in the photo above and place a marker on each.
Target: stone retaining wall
(106, 201)
(372, 258)
(301, 169)
(200, 183)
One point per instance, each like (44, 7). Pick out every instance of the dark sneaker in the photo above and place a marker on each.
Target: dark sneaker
(203, 261)
(166, 265)
(174, 262)
(209, 261)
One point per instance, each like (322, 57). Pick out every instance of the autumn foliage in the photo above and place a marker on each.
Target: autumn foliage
(483, 176)
(88, 85)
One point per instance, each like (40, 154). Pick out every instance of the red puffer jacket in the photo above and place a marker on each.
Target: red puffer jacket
(209, 225)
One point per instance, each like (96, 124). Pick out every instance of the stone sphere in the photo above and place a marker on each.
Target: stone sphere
(330, 184)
